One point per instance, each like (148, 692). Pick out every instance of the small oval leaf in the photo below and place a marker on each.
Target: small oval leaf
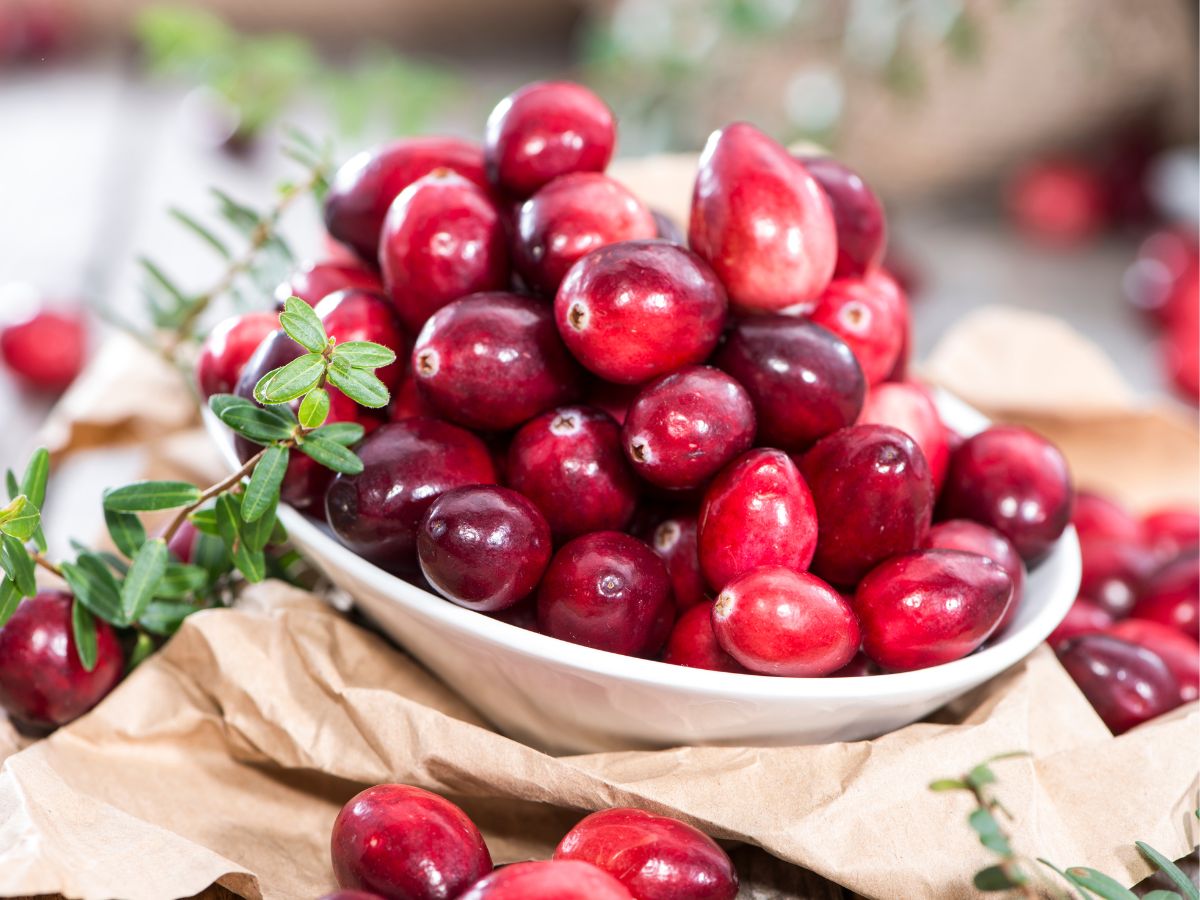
(294, 380)
(148, 496)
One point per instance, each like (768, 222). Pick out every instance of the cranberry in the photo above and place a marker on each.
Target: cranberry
(1171, 530)
(1084, 617)
(1172, 595)
(406, 466)
(548, 880)
(364, 188)
(316, 281)
(443, 238)
(1114, 573)
(544, 130)
(803, 379)
(400, 841)
(46, 350)
(867, 313)
(675, 540)
(693, 643)
(1156, 283)
(930, 607)
(1057, 202)
(228, 348)
(910, 408)
(183, 543)
(857, 214)
(407, 399)
(638, 309)
(757, 512)
(858, 667)
(900, 371)
(1127, 684)
(569, 218)
(1181, 345)
(42, 682)
(483, 547)
(971, 537)
(351, 895)
(762, 222)
(569, 462)
(668, 229)
(777, 621)
(614, 399)
(1180, 653)
(655, 857)
(1097, 516)
(1015, 481)
(522, 614)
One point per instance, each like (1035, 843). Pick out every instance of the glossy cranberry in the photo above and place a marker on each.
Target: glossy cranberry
(406, 466)
(803, 379)
(1171, 530)
(1126, 684)
(609, 591)
(858, 667)
(228, 348)
(407, 399)
(1098, 517)
(493, 361)
(693, 643)
(364, 316)
(1172, 595)
(655, 857)
(1180, 653)
(971, 537)
(42, 682)
(930, 607)
(46, 351)
(1114, 573)
(365, 186)
(569, 463)
(867, 313)
(314, 282)
(857, 214)
(1084, 617)
(638, 309)
(483, 547)
(183, 543)
(1057, 202)
(400, 841)
(668, 229)
(675, 540)
(544, 130)
(569, 218)
(1015, 481)
(443, 238)
(548, 880)
(777, 621)
(909, 407)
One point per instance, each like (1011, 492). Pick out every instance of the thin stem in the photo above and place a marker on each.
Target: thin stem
(218, 488)
(40, 560)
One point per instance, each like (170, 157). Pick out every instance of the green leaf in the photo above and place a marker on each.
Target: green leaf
(10, 481)
(240, 216)
(1099, 884)
(262, 493)
(302, 325)
(257, 534)
(358, 384)
(142, 649)
(345, 433)
(364, 354)
(95, 587)
(17, 565)
(10, 599)
(126, 531)
(148, 496)
(261, 425)
(211, 554)
(84, 628)
(20, 519)
(250, 562)
(142, 581)
(1168, 868)
(314, 410)
(294, 380)
(205, 520)
(948, 784)
(200, 231)
(180, 579)
(37, 473)
(1162, 895)
(331, 455)
(163, 617)
(993, 878)
(980, 775)
(988, 829)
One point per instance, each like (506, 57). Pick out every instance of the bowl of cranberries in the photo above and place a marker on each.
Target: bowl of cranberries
(640, 486)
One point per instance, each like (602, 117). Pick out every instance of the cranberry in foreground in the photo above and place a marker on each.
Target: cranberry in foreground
(910, 408)
(693, 643)
(971, 537)
(676, 541)
(45, 351)
(316, 281)
(1084, 617)
(228, 348)
(1180, 653)
(1126, 684)
(654, 857)
(869, 314)
(857, 214)
(548, 880)
(400, 841)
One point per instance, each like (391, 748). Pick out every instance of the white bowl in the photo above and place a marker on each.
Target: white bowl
(566, 698)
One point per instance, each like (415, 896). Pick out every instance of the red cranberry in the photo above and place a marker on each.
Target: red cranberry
(548, 880)
(1059, 203)
(900, 371)
(42, 682)
(762, 222)
(228, 348)
(569, 462)
(364, 188)
(442, 239)
(803, 379)
(609, 591)
(544, 130)
(857, 214)
(351, 895)
(1172, 595)
(1084, 617)
(1097, 516)
(1180, 653)
(1156, 282)
(910, 408)
(777, 621)
(493, 361)
(1015, 481)
(400, 841)
(364, 316)
(873, 496)
(406, 466)
(483, 547)
(316, 281)
(668, 229)
(1114, 573)
(638, 309)
(47, 350)
(1127, 684)
(868, 314)
(407, 400)
(655, 857)
(569, 218)
(675, 540)
(858, 667)
(1181, 345)
(693, 643)
(930, 607)
(183, 543)
(971, 537)
(1171, 530)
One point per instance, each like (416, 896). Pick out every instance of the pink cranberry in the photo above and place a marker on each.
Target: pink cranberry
(443, 238)
(483, 547)
(1180, 653)
(1127, 684)
(228, 348)
(1172, 530)
(693, 643)
(406, 466)
(1172, 595)
(909, 407)
(654, 857)
(867, 313)
(1097, 516)
(1057, 202)
(1114, 573)
(569, 463)
(1084, 617)
(873, 496)
(675, 540)
(971, 537)
(42, 682)
(762, 222)
(569, 218)
(857, 214)
(638, 309)
(316, 281)
(609, 591)
(45, 351)
(548, 880)
(364, 188)
(183, 543)
(858, 667)
(544, 130)
(757, 512)
(930, 607)
(400, 841)
(1015, 481)
(777, 621)
(803, 379)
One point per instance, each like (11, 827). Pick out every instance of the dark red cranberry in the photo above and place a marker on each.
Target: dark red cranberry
(442, 239)
(609, 591)
(655, 857)
(183, 543)
(548, 880)
(1015, 481)
(400, 841)
(668, 229)
(1114, 573)
(1084, 617)
(874, 499)
(483, 547)
(909, 407)
(930, 607)
(614, 399)
(1057, 202)
(364, 316)
(1171, 530)
(971, 537)
(867, 313)
(1096, 516)
(568, 219)
(569, 462)
(406, 466)
(675, 540)
(1180, 653)
(493, 361)
(693, 643)
(42, 682)
(1126, 684)
(407, 399)
(858, 667)
(857, 214)
(757, 512)
(314, 282)
(1172, 595)
(544, 130)
(46, 351)
(638, 309)
(803, 379)
(228, 348)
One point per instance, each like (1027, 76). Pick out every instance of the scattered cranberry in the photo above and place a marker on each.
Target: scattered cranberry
(1180, 653)
(1099, 517)
(1172, 595)
(400, 841)
(316, 281)
(46, 350)
(548, 880)
(693, 643)
(1114, 573)
(867, 313)
(183, 543)
(1127, 684)
(910, 408)
(1172, 530)
(857, 214)
(1084, 617)
(1058, 202)
(675, 540)
(971, 537)
(228, 348)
